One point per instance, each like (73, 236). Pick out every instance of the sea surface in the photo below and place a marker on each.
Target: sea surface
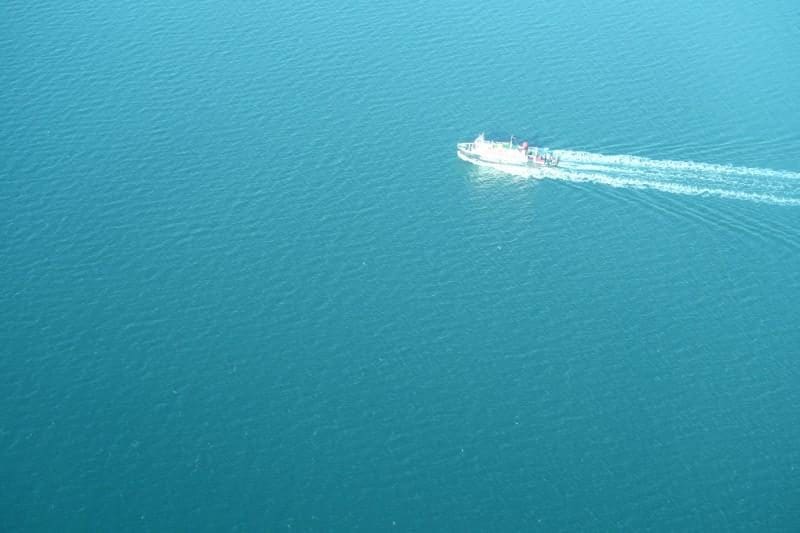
(246, 285)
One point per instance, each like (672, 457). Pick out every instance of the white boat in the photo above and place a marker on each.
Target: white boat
(505, 155)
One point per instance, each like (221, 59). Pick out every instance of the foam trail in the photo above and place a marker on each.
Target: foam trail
(679, 177)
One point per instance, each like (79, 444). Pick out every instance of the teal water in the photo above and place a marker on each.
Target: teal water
(247, 285)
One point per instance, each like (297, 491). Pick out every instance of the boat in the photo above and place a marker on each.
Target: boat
(505, 155)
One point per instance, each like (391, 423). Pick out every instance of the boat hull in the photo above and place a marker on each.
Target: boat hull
(511, 168)
(518, 159)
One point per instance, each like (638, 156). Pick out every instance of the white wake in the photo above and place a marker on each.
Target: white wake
(679, 177)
